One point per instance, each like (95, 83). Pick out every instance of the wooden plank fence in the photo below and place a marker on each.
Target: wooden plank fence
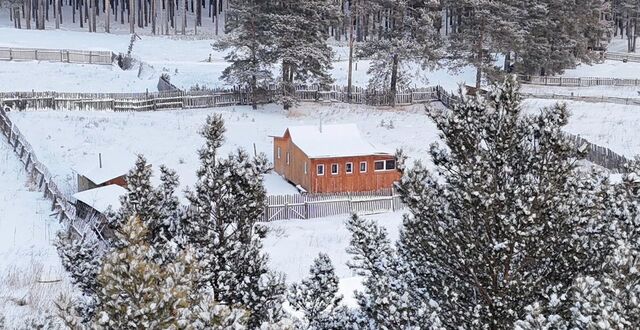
(577, 82)
(625, 57)
(590, 99)
(285, 207)
(38, 172)
(202, 99)
(57, 55)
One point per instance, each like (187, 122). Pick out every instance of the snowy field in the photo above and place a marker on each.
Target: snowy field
(189, 62)
(27, 256)
(614, 126)
(66, 140)
(293, 244)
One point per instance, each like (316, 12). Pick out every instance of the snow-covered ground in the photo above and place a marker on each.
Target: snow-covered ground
(66, 140)
(292, 246)
(189, 62)
(27, 256)
(614, 126)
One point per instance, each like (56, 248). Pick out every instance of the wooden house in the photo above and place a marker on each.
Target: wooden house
(332, 158)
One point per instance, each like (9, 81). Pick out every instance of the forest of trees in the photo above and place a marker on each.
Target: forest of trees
(505, 233)
(537, 37)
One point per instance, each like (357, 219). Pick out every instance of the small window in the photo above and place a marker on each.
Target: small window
(334, 169)
(279, 153)
(379, 165)
(348, 168)
(320, 169)
(288, 158)
(390, 165)
(305, 167)
(363, 167)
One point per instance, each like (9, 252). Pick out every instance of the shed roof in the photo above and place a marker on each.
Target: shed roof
(328, 141)
(102, 197)
(114, 165)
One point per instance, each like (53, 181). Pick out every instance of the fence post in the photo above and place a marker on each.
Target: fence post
(286, 209)
(35, 52)
(306, 210)
(90, 57)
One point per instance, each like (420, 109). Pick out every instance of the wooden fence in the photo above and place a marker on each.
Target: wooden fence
(590, 99)
(57, 55)
(626, 57)
(577, 82)
(38, 172)
(286, 207)
(601, 156)
(202, 99)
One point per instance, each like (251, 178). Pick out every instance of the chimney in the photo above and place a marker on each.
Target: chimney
(100, 159)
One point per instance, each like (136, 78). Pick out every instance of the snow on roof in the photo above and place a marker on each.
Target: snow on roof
(325, 141)
(102, 197)
(114, 164)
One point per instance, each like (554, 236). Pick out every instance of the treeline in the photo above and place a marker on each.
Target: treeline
(505, 233)
(534, 37)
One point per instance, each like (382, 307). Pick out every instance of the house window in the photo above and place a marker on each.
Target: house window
(288, 158)
(279, 153)
(305, 167)
(321, 169)
(390, 164)
(385, 165)
(334, 169)
(348, 168)
(363, 167)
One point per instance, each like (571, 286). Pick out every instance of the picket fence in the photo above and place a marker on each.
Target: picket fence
(601, 156)
(285, 207)
(57, 55)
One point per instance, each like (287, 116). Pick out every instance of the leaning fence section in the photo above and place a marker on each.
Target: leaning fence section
(38, 173)
(57, 55)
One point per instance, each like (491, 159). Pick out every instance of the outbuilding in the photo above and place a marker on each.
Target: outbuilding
(104, 171)
(96, 201)
(331, 159)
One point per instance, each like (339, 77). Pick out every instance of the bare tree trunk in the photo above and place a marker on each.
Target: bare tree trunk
(27, 14)
(184, 17)
(349, 78)
(153, 16)
(132, 18)
(94, 13)
(107, 18)
(216, 17)
(394, 80)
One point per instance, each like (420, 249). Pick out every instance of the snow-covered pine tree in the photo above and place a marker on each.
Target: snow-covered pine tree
(610, 299)
(140, 199)
(386, 302)
(166, 232)
(408, 36)
(137, 293)
(82, 258)
(508, 215)
(251, 45)
(228, 199)
(301, 31)
(317, 296)
(558, 35)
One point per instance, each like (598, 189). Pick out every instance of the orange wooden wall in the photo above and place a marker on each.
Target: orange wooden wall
(342, 182)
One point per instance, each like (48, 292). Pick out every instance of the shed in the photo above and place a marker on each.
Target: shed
(104, 171)
(333, 158)
(98, 200)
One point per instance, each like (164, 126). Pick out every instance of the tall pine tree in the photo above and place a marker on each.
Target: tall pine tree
(227, 202)
(508, 215)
